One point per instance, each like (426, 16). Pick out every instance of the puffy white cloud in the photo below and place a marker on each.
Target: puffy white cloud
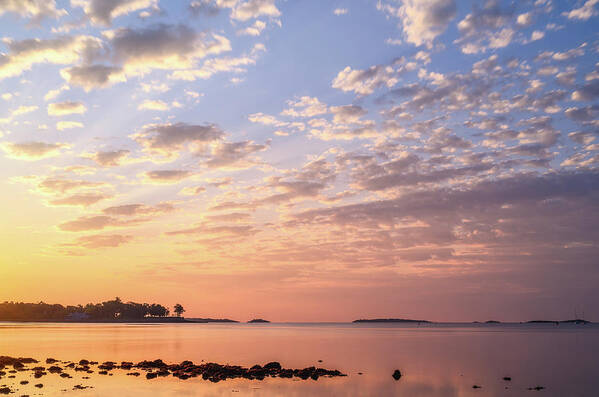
(249, 9)
(34, 9)
(24, 54)
(584, 12)
(253, 30)
(304, 107)
(422, 20)
(364, 82)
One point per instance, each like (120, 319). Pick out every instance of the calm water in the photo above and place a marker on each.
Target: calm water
(440, 360)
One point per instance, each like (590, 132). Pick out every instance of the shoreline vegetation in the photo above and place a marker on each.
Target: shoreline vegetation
(113, 311)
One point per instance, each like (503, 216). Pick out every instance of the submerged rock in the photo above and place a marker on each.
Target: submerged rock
(537, 388)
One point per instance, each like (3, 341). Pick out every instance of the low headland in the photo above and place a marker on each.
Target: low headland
(113, 311)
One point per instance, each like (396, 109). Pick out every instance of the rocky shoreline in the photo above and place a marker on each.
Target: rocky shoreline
(213, 372)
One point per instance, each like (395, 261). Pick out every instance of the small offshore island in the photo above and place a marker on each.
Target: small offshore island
(258, 321)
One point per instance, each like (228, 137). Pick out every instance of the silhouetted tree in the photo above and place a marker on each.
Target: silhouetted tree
(178, 309)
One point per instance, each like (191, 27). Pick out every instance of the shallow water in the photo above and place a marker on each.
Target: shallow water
(436, 360)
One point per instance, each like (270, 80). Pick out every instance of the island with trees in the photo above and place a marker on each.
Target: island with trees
(258, 321)
(110, 311)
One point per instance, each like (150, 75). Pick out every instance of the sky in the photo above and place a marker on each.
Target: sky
(303, 160)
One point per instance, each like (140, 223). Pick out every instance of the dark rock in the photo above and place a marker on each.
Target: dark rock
(55, 369)
(24, 382)
(83, 362)
(151, 375)
(5, 390)
(51, 360)
(39, 385)
(507, 378)
(396, 374)
(103, 372)
(537, 388)
(274, 365)
(65, 375)
(476, 387)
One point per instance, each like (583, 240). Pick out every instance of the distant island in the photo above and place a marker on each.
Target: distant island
(575, 321)
(258, 320)
(389, 320)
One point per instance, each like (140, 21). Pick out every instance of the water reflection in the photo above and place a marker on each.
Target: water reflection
(435, 360)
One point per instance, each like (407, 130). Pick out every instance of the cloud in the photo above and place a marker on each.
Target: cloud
(84, 223)
(58, 185)
(253, 30)
(230, 217)
(167, 176)
(110, 158)
(220, 65)
(422, 20)
(348, 114)
(102, 12)
(250, 9)
(169, 47)
(585, 12)
(23, 54)
(37, 10)
(340, 11)
(67, 125)
(33, 150)
(305, 107)
(168, 139)
(66, 108)
(24, 110)
(234, 155)
(486, 27)
(138, 209)
(364, 82)
(90, 77)
(587, 92)
(150, 104)
(206, 229)
(80, 199)
(103, 241)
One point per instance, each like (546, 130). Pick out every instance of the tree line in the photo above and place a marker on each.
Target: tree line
(114, 309)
